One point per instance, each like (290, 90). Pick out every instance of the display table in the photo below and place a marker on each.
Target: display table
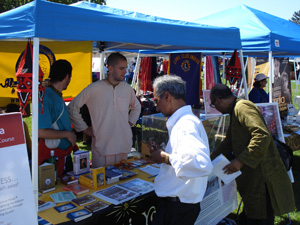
(139, 210)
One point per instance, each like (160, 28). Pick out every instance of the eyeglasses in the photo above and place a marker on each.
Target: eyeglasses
(213, 104)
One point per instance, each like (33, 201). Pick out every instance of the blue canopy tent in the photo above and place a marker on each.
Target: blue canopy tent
(42, 20)
(262, 34)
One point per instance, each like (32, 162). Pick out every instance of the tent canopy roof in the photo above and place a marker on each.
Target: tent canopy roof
(48, 20)
(260, 31)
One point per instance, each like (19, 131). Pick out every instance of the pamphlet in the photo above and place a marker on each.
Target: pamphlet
(153, 171)
(115, 194)
(218, 164)
(63, 196)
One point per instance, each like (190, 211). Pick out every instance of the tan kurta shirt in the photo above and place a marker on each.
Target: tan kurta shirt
(109, 109)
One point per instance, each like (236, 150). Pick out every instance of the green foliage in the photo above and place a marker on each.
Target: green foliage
(296, 17)
(6, 5)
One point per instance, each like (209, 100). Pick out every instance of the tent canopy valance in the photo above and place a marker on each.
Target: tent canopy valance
(260, 32)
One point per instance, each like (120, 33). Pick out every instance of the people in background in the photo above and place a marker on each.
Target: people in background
(258, 94)
(53, 108)
(113, 108)
(185, 162)
(264, 184)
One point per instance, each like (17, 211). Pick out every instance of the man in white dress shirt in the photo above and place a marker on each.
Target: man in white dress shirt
(181, 182)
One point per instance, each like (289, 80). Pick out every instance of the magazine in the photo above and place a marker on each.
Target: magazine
(138, 185)
(115, 194)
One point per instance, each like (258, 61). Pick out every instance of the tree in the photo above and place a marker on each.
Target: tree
(6, 5)
(296, 17)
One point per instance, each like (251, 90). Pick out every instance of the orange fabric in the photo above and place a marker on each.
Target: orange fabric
(44, 154)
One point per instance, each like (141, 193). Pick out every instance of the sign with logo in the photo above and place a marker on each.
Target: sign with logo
(16, 193)
(188, 67)
(79, 54)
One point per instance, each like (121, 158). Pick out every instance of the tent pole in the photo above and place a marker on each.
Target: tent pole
(35, 86)
(243, 74)
(271, 72)
(102, 75)
(204, 71)
(296, 79)
(223, 75)
(136, 69)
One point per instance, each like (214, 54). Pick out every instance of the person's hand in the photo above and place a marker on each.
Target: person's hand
(152, 145)
(234, 166)
(158, 156)
(72, 138)
(89, 131)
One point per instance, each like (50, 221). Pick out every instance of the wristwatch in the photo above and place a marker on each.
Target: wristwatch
(167, 160)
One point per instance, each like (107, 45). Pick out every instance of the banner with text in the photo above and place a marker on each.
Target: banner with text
(79, 54)
(16, 194)
(188, 67)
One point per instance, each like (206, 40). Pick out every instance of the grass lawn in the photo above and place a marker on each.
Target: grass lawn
(280, 220)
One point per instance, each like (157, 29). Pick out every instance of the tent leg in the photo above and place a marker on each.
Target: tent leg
(243, 73)
(271, 72)
(35, 86)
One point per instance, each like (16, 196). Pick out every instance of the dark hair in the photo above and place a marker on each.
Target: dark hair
(12, 108)
(114, 58)
(220, 91)
(171, 83)
(59, 70)
(257, 83)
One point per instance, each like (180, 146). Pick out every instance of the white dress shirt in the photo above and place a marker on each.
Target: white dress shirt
(188, 147)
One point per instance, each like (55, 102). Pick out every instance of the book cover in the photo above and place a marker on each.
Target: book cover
(125, 173)
(77, 189)
(98, 175)
(65, 208)
(96, 206)
(46, 176)
(81, 162)
(45, 205)
(84, 200)
(138, 185)
(110, 174)
(67, 179)
(115, 194)
(79, 215)
(218, 164)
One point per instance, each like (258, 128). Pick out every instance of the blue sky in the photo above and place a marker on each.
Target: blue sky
(190, 10)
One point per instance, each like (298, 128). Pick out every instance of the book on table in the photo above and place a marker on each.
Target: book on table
(84, 200)
(63, 196)
(46, 174)
(81, 162)
(77, 189)
(68, 179)
(79, 215)
(65, 207)
(98, 175)
(42, 206)
(94, 207)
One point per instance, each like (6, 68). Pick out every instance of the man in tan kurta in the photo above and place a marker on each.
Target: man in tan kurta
(264, 185)
(113, 108)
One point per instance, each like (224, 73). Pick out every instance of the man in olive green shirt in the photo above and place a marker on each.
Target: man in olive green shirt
(264, 185)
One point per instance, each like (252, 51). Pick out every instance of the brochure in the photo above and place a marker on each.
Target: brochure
(218, 164)
(153, 171)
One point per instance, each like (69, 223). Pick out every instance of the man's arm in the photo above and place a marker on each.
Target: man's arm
(57, 134)
(135, 109)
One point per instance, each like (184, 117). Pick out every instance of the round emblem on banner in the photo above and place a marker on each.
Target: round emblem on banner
(185, 65)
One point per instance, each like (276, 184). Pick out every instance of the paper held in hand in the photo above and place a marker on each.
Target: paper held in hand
(218, 164)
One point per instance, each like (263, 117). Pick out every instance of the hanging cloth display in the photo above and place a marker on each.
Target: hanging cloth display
(24, 79)
(233, 69)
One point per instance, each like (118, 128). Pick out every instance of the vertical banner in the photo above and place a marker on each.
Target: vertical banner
(79, 54)
(282, 83)
(188, 67)
(16, 193)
